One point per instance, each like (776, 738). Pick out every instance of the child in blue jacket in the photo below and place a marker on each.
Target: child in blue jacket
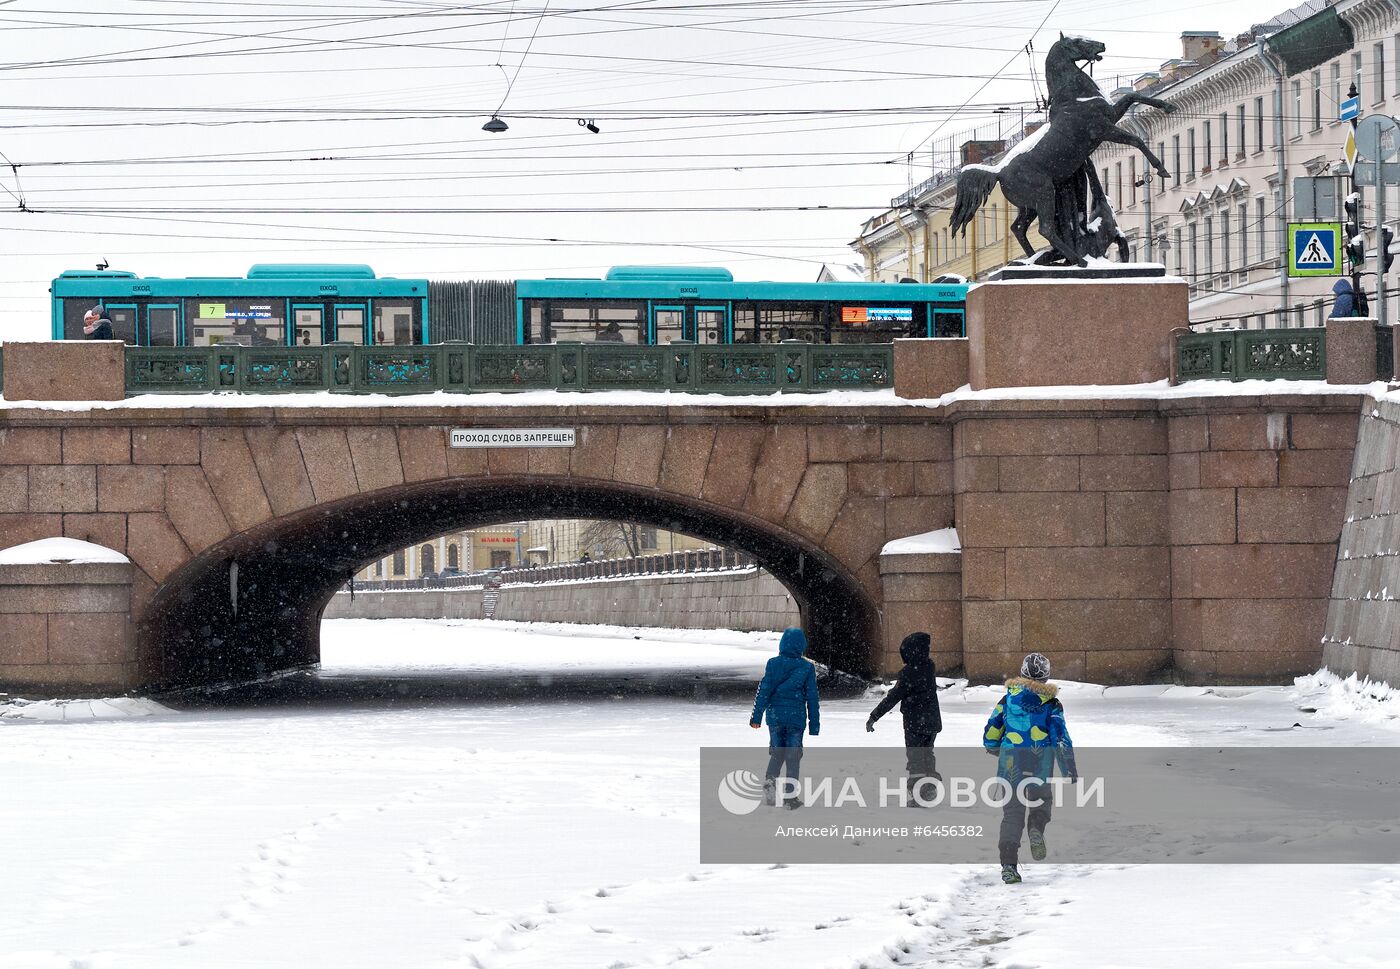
(788, 694)
(1027, 734)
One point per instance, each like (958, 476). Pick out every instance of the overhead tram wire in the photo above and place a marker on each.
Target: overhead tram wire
(983, 86)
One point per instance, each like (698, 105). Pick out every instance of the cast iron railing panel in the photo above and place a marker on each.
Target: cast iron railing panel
(1296, 354)
(464, 368)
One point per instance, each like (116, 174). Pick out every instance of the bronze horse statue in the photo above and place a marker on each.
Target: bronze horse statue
(1048, 175)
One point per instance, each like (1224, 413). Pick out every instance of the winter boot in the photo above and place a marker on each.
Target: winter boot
(1009, 875)
(1037, 838)
(770, 791)
(912, 790)
(793, 801)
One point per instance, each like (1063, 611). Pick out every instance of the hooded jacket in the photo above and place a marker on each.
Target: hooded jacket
(1345, 303)
(788, 690)
(915, 690)
(1027, 732)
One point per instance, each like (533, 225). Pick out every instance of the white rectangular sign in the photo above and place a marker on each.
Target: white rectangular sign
(512, 437)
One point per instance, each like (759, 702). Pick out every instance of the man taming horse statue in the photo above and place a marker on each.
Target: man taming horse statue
(1048, 175)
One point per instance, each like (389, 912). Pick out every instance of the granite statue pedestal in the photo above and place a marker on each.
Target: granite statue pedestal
(1073, 331)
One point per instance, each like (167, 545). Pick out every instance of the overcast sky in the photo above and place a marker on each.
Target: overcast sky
(178, 138)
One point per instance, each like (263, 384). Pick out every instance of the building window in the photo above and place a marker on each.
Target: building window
(1176, 169)
(1244, 235)
(646, 538)
(454, 557)
(995, 234)
(1206, 163)
(1224, 137)
(1177, 248)
(1132, 178)
(1262, 229)
(400, 563)
(427, 560)
(1176, 159)
(1396, 86)
(1239, 129)
(1258, 125)
(1192, 243)
(1225, 252)
(1190, 152)
(1316, 99)
(1297, 106)
(1378, 71)
(1210, 247)
(1281, 240)
(1336, 88)
(1356, 70)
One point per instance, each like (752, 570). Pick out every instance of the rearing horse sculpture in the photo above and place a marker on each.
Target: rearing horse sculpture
(1048, 175)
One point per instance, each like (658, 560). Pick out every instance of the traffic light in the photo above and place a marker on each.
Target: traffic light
(1387, 257)
(1356, 243)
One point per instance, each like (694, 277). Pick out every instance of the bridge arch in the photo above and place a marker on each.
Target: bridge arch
(251, 604)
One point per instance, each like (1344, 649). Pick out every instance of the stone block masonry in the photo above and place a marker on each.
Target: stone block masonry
(751, 601)
(64, 629)
(1131, 540)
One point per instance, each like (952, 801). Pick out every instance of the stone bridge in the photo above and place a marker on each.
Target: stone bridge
(1125, 536)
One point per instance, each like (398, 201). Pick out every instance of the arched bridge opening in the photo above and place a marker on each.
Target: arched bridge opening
(251, 605)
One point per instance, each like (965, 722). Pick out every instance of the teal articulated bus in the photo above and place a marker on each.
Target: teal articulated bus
(312, 305)
(274, 305)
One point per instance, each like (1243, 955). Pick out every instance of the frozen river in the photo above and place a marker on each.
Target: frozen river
(492, 795)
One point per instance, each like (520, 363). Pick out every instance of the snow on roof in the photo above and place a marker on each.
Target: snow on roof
(943, 540)
(55, 551)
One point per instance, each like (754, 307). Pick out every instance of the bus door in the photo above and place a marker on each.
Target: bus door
(711, 325)
(350, 323)
(123, 317)
(947, 321)
(309, 321)
(162, 325)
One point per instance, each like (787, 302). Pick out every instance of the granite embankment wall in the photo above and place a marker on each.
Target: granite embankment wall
(1363, 617)
(747, 600)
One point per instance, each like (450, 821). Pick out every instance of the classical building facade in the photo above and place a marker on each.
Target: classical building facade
(1253, 114)
(538, 542)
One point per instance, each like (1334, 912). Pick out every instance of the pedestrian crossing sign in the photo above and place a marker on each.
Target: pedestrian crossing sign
(1314, 249)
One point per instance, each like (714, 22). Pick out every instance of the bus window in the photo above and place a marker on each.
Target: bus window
(790, 322)
(393, 322)
(246, 322)
(709, 325)
(948, 323)
(308, 326)
(123, 323)
(596, 322)
(670, 324)
(745, 320)
(350, 324)
(161, 324)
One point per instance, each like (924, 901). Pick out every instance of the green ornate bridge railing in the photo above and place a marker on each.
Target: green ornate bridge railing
(468, 369)
(1295, 354)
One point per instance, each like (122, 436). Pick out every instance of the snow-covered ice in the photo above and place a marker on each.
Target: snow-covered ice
(510, 795)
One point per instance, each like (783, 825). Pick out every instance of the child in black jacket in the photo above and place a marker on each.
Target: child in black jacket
(917, 693)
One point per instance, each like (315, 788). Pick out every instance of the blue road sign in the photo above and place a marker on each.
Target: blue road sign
(1313, 249)
(1351, 108)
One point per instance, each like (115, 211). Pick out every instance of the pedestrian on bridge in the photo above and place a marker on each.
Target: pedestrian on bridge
(916, 692)
(96, 326)
(788, 696)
